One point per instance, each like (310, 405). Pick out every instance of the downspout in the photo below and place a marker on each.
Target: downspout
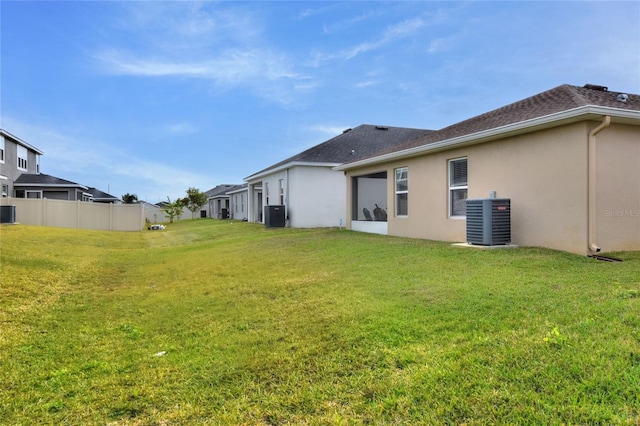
(250, 213)
(591, 185)
(286, 195)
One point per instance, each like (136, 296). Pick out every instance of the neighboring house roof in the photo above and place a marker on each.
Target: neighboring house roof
(99, 195)
(20, 141)
(220, 190)
(238, 188)
(564, 103)
(147, 204)
(353, 144)
(44, 180)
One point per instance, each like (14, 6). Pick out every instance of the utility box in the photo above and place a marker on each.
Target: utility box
(489, 221)
(7, 214)
(274, 216)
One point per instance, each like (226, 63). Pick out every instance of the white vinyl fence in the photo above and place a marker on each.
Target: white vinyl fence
(77, 214)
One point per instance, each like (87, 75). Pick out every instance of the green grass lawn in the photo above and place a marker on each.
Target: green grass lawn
(225, 322)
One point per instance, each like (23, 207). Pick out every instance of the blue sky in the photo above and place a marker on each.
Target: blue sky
(152, 98)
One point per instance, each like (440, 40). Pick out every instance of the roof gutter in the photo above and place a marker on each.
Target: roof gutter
(543, 122)
(288, 166)
(591, 185)
(4, 133)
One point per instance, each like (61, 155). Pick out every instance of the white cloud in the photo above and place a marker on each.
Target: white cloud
(200, 40)
(330, 130)
(182, 128)
(439, 45)
(268, 74)
(393, 33)
(231, 67)
(368, 83)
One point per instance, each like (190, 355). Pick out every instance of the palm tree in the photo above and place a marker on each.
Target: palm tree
(129, 198)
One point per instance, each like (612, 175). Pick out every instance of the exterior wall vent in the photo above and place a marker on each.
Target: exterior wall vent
(489, 221)
(274, 216)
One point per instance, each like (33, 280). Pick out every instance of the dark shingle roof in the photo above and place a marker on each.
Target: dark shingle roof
(354, 144)
(220, 190)
(44, 179)
(558, 99)
(101, 195)
(238, 187)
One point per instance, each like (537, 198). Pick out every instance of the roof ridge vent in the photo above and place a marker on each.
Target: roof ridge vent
(346, 130)
(622, 97)
(596, 87)
(382, 128)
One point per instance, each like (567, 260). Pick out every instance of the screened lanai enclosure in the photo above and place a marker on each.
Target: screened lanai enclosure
(369, 203)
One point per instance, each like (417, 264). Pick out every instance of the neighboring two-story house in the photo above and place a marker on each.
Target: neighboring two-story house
(20, 176)
(16, 157)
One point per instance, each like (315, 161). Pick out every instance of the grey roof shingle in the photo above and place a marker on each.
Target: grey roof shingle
(101, 195)
(44, 179)
(558, 99)
(353, 144)
(220, 190)
(237, 187)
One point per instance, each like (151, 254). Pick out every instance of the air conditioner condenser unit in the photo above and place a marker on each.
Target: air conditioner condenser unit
(489, 221)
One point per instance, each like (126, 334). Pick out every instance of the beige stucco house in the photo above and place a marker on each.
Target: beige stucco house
(568, 159)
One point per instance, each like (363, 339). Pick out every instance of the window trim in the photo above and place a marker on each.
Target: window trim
(20, 160)
(452, 187)
(2, 150)
(397, 192)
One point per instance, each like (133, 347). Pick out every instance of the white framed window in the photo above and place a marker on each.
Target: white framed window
(22, 158)
(458, 187)
(281, 191)
(402, 191)
(5, 191)
(1, 149)
(266, 193)
(33, 194)
(37, 163)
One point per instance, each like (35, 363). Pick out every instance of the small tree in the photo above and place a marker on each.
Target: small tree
(195, 200)
(174, 208)
(129, 198)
